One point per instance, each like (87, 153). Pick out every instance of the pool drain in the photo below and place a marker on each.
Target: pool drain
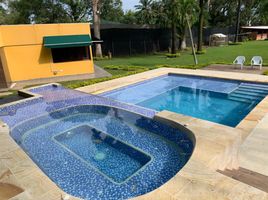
(99, 156)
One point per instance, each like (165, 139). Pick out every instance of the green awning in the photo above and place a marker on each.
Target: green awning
(64, 41)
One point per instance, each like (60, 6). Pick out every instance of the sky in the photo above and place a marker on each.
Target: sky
(129, 4)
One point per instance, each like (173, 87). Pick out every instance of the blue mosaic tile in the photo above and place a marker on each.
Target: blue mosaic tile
(36, 124)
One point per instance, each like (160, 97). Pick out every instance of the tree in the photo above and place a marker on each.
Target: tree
(36, 11)
(237, 20)
(144, 12)
(186, 8)
(3, 12)
(111, 10)
(96, 7)
(200, 25)
(264, 12)
(77, 10)
(221, 13)
(129, 17)
(176, 12)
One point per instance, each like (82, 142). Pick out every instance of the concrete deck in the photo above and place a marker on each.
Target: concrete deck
(218, 147)
(233, 68)
(99, 73)
(253, 152)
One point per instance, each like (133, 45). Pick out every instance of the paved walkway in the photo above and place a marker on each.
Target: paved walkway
(99, 72)
(232, 68)
(253, 152)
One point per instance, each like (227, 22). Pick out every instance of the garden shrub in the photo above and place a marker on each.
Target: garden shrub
(170, 55)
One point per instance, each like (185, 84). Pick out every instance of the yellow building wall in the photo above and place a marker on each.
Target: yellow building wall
(26, 58)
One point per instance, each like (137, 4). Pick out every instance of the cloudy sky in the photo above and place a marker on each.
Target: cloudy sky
(129, 4)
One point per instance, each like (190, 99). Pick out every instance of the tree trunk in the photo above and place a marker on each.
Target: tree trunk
(173, 38)
(237, 21)
(96, 24)
(183, 40)
(200, 26)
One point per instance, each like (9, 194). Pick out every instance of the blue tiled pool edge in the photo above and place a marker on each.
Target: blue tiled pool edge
(8, 112)
(148, 93)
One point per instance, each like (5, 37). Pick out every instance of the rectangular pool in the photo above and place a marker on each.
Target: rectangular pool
(222, 101)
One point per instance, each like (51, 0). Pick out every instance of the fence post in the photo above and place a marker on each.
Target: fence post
(130, 47)
(144, 45)
(113, 47)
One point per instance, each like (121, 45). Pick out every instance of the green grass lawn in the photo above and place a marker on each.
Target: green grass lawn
(221, 55)
(125, 66)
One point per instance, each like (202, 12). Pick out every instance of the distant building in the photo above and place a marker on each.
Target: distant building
(256, 32)
(29, 52)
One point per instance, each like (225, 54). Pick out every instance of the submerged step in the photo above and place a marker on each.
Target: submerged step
(247, 97)
(239, 99)
(253, 94)
(255, 85)
(253, 90)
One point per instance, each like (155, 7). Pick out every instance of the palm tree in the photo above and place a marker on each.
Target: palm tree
(200, 25)
(176, 13)
(144, 12)
(238, 13)
(96, 4)
(186, 8)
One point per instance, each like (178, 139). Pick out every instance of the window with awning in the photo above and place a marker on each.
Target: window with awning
(68, 48)
(65, 41)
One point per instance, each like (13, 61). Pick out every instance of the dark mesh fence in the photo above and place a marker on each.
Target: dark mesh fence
(133, 41)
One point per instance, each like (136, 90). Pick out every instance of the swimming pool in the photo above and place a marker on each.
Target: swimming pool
(222, 101)
(103, 152)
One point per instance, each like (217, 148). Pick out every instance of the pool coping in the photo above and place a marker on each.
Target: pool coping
(216, 147)
(226, 152)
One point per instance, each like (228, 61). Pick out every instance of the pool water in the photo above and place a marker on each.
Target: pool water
(201, 104)
(101, 152)
(115, 159)
(222, 101)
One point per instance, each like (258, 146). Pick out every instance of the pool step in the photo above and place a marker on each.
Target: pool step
(253, 94)
(252, 90)
(261, 88)
(254, 85)
(248, 177)
(239, 99)
(249, 92)
(247, 97)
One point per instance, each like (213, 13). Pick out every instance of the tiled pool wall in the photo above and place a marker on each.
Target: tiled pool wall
(147, 180)
(113, 158)
(146, 123)
(34, 112)
(54, 98)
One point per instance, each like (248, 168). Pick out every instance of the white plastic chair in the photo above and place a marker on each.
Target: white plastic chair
(240, 60)
(256, 61)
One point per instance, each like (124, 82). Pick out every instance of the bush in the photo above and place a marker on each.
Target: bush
(124, 67)
(170, 55)
(235, 43)
(77, 84)
(103, 58)
(265, 73)
(201, 52)
(183, 66)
